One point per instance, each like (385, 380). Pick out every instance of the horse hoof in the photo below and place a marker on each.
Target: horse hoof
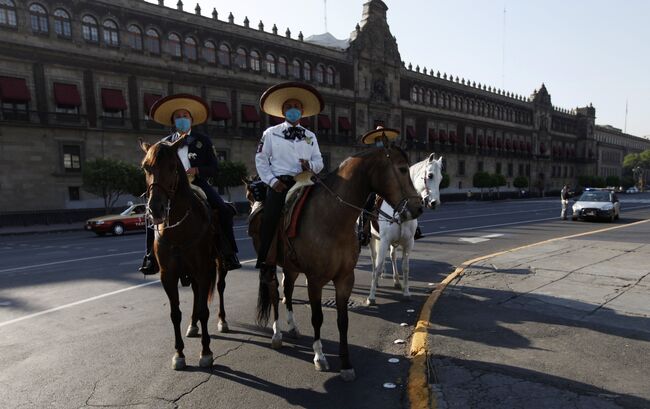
(178, 363)
(397, 286)
(321, 365)
(348, 375)
(293, 333)
(371, 302)
(284, 300)
(222, 327)
(276, 342)
(206, 361)
(384, 276)
(192, 331)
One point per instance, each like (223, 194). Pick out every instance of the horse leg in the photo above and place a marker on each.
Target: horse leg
(374, 244)
(193, 329)
(406, 255)
(343, 290)
(315, 295)
(288, 284)
(378, 269)
(393, 261)
(171, 288)
(222, 325)
(206, 358)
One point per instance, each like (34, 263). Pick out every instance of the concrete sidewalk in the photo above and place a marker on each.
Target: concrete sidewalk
(44, 228)
(564, 324)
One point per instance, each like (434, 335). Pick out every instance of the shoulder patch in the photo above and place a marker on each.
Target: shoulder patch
(261, 144)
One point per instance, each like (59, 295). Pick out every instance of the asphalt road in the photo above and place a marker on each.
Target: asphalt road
(79, 327)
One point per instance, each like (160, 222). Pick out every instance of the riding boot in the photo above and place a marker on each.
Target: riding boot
(231, 262)
(149, 262)
(418, 234)
(364, 230)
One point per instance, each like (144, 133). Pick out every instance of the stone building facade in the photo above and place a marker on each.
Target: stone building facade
(77, 79)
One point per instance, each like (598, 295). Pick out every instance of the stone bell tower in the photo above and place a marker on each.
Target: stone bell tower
(377, 65)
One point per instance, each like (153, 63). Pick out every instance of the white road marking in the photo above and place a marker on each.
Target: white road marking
(97, 297)
(493, 235)
(473, 240)
(68, 261)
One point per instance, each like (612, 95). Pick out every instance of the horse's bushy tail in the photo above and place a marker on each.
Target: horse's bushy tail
(213, 279)
(267, 290)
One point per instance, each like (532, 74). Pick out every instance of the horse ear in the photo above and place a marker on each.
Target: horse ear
(432, 157)
(440, 160)
(143, 145)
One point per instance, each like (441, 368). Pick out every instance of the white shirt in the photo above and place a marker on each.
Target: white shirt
(277, 156)
(183, 152)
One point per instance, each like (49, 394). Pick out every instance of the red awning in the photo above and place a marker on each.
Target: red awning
(470, 139)
(220, 111)
(66, 95)
(344, 123)
(149, 100)
(443, 136)
(14, 90)
(306, 122)
(410, 132)
(433, 135)
(275, 120)
(113, 100)
(249, 114)
(452, 136)
(324, 122)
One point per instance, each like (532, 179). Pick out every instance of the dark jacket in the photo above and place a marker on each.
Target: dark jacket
(201, 155)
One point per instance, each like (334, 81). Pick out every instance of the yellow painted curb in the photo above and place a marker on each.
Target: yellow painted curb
(418, 388)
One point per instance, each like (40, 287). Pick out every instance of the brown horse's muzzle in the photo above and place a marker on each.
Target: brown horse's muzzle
(414, 209)
(156, 208)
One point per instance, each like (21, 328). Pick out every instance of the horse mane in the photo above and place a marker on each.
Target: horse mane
(162, 152)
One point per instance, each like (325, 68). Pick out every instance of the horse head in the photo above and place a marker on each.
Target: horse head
(164, 177)
(390, 178)
(427, 178)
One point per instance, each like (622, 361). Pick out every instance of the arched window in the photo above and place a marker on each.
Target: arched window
(89, 29)
(240, 58)
(420, 95)
(174, 45)
(414, 94)
(429, 96)
(270, 63)
(7, 13)
(190, 48)
(282, 66)
(38, 17)
(224, 55)
(295, 69)
(152, 41)
(306, 71)
(62, 23)
(111, 35)
(320, 73)
(329, 76)
(255, 61)
(209, 52)
(135, 37)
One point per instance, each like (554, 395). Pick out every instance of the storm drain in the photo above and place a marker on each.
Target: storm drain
(353, 303)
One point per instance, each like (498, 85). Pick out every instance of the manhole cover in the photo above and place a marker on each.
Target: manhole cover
(353, 303)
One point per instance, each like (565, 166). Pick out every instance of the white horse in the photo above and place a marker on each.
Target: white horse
(426, 176)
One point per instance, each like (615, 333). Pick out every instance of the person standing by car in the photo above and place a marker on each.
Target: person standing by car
(564, 199)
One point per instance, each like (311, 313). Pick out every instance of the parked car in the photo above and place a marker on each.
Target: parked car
(597, 204)
(632, 190)
(132, 218)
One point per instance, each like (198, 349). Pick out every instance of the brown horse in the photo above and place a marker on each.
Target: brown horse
(185, 244)
(326, 246)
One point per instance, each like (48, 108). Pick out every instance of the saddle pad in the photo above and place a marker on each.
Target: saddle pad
(293, 209)
(302, 179)
(199, 192)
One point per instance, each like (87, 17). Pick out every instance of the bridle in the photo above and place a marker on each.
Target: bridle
(170, 193)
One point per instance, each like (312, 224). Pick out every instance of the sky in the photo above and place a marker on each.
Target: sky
(584, 51)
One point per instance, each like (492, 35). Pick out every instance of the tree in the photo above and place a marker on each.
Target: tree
(445, 180)
(497, 180)
(614, 181)
(111, 178)
(230, 174)
(481, 180)
(520, 182)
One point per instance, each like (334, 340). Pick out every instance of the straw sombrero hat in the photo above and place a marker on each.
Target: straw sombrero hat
(370, 137)
(273, 98)
(163, 109)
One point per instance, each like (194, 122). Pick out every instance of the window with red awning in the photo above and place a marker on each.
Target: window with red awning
(324, 122)
(113, 100)
(66, 95)
(149, 100)
(14, 90)
(220, 111)
(249, 114)
(307, 122)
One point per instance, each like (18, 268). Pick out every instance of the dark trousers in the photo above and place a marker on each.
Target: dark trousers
(273, 205)
(225, 220)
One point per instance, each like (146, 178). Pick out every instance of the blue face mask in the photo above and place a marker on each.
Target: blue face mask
(379, 144)
(293, 115)
(182, 124)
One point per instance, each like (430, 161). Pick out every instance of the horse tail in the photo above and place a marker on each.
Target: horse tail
(213, 279)
(267, 279)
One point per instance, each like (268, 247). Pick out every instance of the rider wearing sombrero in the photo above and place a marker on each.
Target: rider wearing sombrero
(181, 111)
(284, 151)
(379, 137)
